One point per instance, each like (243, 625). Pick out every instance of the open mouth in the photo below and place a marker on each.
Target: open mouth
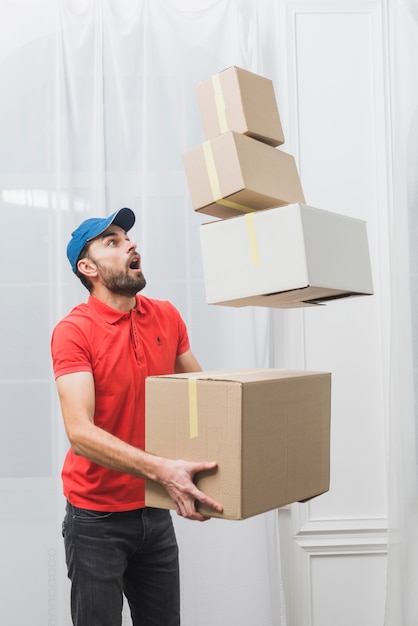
(134, 264)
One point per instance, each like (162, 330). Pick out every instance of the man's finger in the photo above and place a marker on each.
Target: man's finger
(201, 497)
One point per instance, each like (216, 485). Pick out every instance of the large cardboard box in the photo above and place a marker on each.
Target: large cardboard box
(268, 430)
(234, 174)
(291, 256)
(236, 99)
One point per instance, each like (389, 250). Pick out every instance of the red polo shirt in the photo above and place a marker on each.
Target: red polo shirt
(121, 350)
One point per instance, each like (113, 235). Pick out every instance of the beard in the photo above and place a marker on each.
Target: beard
(121, 283)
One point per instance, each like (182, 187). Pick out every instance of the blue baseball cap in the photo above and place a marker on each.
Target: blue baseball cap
(93, 227)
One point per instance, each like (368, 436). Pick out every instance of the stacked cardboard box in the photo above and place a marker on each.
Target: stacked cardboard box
(288, 257)
(238, 169)
(266, 256)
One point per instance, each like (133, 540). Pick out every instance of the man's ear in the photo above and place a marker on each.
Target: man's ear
(87, 267)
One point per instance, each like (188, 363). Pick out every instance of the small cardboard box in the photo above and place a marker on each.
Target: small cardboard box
(286, 257)
(235, 174)
(268, 430)
(236, 99)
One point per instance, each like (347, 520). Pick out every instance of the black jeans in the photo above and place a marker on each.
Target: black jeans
(133, 553)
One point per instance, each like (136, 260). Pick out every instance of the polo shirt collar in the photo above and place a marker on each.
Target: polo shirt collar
(110, 315)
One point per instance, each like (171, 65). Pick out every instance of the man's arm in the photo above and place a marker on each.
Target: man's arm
(186, 362)
(76, 393)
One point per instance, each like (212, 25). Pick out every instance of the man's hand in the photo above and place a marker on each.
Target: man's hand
(177, 478)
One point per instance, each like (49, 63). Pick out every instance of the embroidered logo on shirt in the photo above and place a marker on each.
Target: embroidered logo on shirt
(159, 342)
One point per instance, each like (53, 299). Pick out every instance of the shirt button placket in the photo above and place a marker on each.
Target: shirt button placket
(135, 339)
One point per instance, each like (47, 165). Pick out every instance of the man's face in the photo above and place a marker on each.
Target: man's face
(117, 261)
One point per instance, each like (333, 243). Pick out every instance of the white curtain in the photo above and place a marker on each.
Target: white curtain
(402, 598)
(97, 105)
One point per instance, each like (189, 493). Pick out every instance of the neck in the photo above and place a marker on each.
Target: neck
(115, 301)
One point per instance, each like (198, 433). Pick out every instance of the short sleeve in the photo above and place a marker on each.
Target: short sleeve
(69, 350)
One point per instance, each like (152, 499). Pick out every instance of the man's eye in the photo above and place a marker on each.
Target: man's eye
(111, 242)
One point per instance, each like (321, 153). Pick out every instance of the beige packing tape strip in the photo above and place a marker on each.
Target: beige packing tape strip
(252, 239)
(216, 193)
(214, 181)
(219, 103)
(193, 416)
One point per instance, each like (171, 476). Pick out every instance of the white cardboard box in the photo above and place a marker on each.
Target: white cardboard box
(285, 257)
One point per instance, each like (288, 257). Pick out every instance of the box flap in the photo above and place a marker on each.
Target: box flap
(294, 298)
